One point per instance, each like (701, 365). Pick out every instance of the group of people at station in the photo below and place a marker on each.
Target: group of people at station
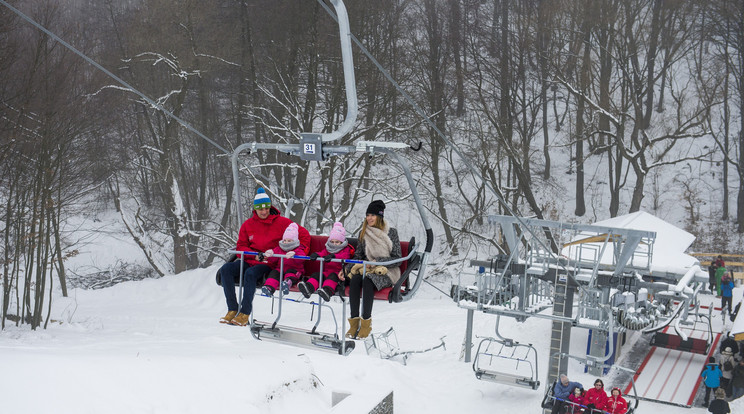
(570, 397)
(721, 282)
(724, 378)
(276, 241)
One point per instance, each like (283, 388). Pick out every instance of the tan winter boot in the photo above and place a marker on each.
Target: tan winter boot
(241, 320)
(353, 327)
(227, 318)
(365, 328)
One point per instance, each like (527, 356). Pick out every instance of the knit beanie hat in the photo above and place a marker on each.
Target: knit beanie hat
(376, 207)
(291, 232)
(337, 232)
(262, 199)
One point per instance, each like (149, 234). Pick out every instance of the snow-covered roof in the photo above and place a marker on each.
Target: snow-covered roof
(671, 241)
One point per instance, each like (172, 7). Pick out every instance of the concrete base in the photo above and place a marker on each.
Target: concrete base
(362, 402)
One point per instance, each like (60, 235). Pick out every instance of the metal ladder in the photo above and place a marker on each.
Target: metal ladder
(560, 335)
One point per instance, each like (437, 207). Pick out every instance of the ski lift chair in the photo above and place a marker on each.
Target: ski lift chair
(506, 362)
(700, 346)
(392, 294)
(672, 341)
(549, 398)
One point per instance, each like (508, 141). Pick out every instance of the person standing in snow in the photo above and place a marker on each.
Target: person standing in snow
(290, 246)
(711, 378)
(712, 276)
(596, 397)
(336, 247)
(729, 342)
(378, 242)
(728, 363)
(727, 293)
(616, 404)
(720, 270)
(719, 405)
(737, 381)
(260, 232)
(562, 391)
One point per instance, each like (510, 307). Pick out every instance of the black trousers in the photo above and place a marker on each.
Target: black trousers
(707, 394)
(727, 301)
(557, 407)
(361, 290)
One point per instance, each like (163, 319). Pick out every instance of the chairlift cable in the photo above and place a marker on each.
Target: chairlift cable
(216, 145)
(154, 104)
(449, 143)
(111, 75)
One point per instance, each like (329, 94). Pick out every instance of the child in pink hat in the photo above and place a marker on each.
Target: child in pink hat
(290, 246)
(337, 247)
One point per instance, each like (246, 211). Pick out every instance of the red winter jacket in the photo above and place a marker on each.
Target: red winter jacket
(335, 267)
(258, 235)
(576, 400)
(616, 405)
(595, 397)
(296, 266)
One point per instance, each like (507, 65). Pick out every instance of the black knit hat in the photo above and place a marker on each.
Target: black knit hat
(376, 207)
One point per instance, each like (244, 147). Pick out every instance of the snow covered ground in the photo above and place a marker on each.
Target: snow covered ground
(155, 346)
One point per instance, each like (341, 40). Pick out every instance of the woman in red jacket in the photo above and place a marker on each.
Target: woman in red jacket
(262, 231)
(616, 404)
(596, 397)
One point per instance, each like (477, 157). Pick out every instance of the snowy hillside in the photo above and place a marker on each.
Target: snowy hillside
(156, 346)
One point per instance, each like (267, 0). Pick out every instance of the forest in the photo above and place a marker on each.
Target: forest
(571, 110)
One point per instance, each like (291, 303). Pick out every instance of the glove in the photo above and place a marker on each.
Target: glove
(313, 256)
(260, 257)
(269, 253)
(290, 253)
(380, 270)
(327, 258)
(356, 269)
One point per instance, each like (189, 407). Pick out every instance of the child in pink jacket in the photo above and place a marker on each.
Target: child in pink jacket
(289, 245)
(337, 247)
(577, 398)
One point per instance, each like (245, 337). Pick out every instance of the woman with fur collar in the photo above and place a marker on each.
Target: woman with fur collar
(377, 243)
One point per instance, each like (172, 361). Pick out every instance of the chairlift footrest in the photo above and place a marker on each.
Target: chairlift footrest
(509, 379)
(303, 338)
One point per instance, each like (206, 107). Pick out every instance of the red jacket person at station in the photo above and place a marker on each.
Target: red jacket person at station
(616, 404)
(596, 397)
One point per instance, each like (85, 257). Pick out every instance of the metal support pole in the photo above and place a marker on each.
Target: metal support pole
(469, 335)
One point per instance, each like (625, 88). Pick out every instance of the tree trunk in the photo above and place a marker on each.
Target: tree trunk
(584, 74)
